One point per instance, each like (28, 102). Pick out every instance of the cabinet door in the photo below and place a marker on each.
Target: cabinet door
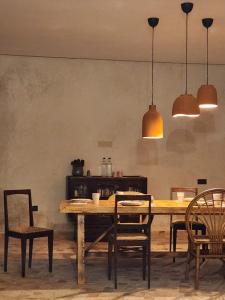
(106, 189)
(77, 188)
(135, 186)
(105, 186)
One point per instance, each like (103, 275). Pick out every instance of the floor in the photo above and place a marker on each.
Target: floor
(167, 281)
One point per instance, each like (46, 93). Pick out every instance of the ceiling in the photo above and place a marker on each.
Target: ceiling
(110, 29)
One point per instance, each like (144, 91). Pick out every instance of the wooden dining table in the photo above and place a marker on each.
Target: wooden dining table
(106, 207)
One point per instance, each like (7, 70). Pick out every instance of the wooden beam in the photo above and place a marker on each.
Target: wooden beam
(98, 239)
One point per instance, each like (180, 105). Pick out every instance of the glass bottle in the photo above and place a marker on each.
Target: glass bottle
(103, 167)
(109, 167)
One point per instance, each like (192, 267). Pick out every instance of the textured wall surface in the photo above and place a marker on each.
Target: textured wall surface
(55, 110)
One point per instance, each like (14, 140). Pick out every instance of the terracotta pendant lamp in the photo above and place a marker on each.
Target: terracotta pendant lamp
(152, 123)
(186, 105)
(207, 95)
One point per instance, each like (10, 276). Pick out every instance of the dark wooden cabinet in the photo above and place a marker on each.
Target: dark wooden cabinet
(83, 187)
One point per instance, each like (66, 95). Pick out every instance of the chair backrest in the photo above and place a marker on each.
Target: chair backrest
(15, 196)
(193, 191)
(113, 196)
(118, 212)
(209, 207)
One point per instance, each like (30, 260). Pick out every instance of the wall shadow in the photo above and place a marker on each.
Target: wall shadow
(147, 152)
(205, 123)
(180, 141)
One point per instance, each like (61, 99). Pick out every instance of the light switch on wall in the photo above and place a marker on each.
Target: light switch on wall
(201, 181)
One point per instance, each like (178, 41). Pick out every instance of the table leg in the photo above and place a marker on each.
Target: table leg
(80, 250)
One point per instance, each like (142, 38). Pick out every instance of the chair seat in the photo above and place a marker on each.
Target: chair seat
(181, 225)
(28, 229)
(206, 240)
(131, 224)
(133, 236)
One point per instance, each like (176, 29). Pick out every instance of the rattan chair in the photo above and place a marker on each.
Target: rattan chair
(130, 234)
(23, 231)
(178, 225)
(209, 207)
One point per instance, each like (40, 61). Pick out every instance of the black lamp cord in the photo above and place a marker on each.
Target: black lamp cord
(207, 57)
(186, 52)
(152, 60)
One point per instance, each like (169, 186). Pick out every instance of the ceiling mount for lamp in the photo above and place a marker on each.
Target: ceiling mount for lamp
(207, 94)
(152, 122)
(207, 22)
(187, 7)
(186, 105)
(153, 22)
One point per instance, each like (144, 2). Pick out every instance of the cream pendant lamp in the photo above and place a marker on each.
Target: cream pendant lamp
(186, 105)
(152, 123)
(207, 95)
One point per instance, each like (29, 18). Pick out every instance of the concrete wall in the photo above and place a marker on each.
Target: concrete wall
(55, 110)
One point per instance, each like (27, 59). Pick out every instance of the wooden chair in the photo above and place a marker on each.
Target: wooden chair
(180, 225)
(24, 232)
(124, 236)
(131, 218)
(210, 210)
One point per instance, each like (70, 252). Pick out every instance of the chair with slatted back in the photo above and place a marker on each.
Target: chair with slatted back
(135, 218)
(209, 207)
(23, 231)
(125, 234)
(175, 226)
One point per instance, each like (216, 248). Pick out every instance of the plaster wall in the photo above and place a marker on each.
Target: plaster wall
(55, 110)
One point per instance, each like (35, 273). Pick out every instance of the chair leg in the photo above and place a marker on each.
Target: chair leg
(149, 262)
(109, 259)
(6, 244)
(223, 267)
(23, 255)
(174, 243)
(50, 251)
(203, 231)
(144, 262)
(115, 265)
(188, 265)
(30, 252)
(197, 267)
(170, 233)
(204, 246)
(196, 230)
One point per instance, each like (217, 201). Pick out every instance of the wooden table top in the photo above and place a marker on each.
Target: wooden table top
(107, 207)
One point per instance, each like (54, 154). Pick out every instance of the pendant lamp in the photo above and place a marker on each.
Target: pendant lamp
(152, 123)
(186, 105)
(207, 95)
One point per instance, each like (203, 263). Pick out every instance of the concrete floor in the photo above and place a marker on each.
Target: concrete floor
(167, 280)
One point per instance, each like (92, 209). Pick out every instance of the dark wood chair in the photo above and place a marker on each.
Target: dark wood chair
(210, 210)
(130, 234)
(24, 232)
(180, 224)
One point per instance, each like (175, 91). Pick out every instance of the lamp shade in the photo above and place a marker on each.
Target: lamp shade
(207, 96)
(185, 106)
(152, 124)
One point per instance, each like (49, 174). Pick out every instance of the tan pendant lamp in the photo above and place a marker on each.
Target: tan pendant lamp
(186, 105)
(152, 123)
(207, 95)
